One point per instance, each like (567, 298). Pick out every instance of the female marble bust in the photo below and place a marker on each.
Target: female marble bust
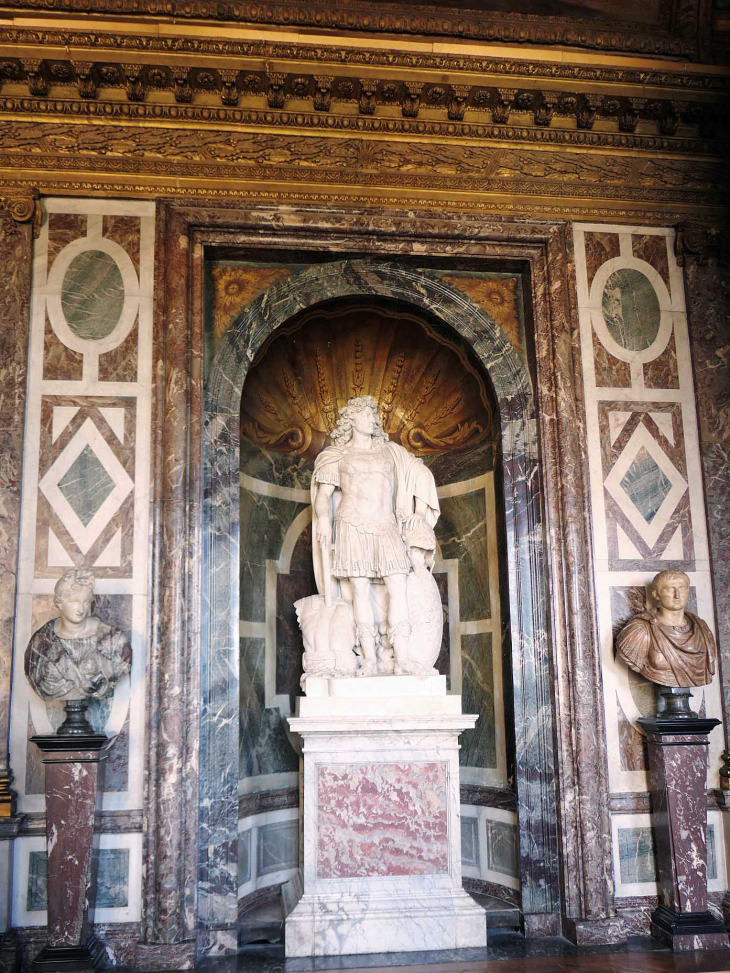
(76, 656)
(367, 492)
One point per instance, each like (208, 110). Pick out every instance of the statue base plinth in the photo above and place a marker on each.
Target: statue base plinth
(688, 930)
(73, 785)
(92, 956)
(677, 749)
(381, 869)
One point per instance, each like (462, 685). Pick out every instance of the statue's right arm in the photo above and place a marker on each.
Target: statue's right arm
(322, 525)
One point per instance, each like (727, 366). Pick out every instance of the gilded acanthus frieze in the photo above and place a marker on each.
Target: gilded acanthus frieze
(679, 32)
(222, 159)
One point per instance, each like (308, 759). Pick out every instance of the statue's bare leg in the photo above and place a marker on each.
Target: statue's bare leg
(399, 628)
(367, 630)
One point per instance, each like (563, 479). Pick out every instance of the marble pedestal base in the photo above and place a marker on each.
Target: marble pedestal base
(677, 778)
(72, 766)
(381, 869)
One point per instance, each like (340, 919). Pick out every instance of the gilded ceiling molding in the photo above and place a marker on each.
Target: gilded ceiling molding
(652, 74)
(231, 159)
(54, 183)
(682, 33)
(479, 124)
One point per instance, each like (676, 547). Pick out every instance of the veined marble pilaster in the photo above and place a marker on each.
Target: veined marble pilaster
(16, 242)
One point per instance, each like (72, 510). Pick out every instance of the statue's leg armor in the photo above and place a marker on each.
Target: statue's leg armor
(400, 637)
(367, 636)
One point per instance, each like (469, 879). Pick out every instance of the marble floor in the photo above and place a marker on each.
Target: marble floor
(507, 952)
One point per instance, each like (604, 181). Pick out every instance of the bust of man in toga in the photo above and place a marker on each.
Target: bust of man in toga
(76, 656)
(671, 647)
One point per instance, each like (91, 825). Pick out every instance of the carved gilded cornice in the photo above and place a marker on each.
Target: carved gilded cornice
(111, 37)
(153, 113)
(682, 31)
(63, 183)
(477, 126)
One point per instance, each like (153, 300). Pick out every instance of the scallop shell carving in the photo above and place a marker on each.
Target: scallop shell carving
(431, 398)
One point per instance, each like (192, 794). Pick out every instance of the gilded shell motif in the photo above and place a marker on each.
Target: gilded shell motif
(432, 399)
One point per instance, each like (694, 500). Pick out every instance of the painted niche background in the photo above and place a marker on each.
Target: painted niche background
(434, 401)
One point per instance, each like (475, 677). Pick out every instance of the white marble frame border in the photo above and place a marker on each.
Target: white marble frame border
(132, 912)
(615, 673)
(136, 585)
(646, 820)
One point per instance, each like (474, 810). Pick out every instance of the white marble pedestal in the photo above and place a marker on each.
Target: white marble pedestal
(381, 868)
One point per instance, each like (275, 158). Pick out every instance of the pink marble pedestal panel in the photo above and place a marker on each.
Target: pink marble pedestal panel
(73, 787)
(381, 868)
(678, 777)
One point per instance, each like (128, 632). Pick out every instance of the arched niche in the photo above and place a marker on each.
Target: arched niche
(513, 396)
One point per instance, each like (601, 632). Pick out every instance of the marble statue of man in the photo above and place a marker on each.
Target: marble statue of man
(366, 492)
(76, 656)
(671, 647)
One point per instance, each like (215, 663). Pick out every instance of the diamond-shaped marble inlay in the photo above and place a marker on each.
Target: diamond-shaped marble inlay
(86, 485)
(646, 485)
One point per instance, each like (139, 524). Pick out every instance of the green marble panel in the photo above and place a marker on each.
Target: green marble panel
(637, 861)
(272, 467)
(478, 746)
(631, 309)
(86, 485)
(37, 882)
(646, 485)
(470, 841)
(92, 295)
(278, 846)
(264, 745)
(264, 523)
(112, 881)
(502, 847)
(462, 533)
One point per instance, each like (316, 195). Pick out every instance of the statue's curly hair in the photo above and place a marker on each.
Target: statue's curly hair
(342, 433)
(73, 579)
(670, 575)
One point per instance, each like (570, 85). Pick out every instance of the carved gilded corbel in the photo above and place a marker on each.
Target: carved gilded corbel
(20, 208)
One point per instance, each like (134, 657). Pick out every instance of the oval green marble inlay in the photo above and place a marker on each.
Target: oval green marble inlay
(92, 295)
(631, 309)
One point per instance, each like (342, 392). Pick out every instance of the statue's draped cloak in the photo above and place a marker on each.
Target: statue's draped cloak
(413, 481)
(690, 656)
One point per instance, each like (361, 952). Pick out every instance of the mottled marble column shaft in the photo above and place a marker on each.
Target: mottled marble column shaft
(73, 794)
(677, 778)
(16, 259)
